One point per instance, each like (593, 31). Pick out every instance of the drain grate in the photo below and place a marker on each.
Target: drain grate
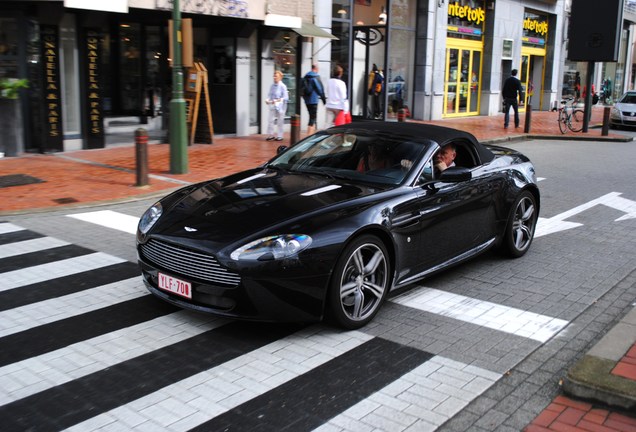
(18, 180)
(65, 200)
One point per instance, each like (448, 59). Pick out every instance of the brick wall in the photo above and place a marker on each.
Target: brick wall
(303, 9)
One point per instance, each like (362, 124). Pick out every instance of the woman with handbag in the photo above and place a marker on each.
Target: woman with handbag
(337, 99)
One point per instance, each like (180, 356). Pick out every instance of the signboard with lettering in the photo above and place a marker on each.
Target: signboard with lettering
(53, 131)
(94, 125)
(535, 30)
(466, 19)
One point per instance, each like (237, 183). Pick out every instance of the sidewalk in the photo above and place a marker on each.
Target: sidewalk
(35, 182)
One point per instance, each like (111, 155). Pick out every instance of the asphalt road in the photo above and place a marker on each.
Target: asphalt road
(105, 356)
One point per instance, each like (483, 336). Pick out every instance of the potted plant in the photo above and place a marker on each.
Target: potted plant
(12, 136)
(9, 87)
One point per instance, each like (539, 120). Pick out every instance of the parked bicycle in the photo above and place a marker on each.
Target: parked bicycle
(570, 117)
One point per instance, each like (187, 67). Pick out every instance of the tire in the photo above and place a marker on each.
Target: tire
(521, 225)
(359, 284)
(576, 121)
(563, 122)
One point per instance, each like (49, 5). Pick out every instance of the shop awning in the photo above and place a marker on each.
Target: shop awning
(308, 29)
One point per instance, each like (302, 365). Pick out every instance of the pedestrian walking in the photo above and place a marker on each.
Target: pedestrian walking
(511, 93)
(277, 98)
(313, 91)
(337, 99)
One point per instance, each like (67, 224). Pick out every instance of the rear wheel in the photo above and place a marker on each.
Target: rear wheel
(360, 283)
(521, 225)
(563, 119)
(576, 121)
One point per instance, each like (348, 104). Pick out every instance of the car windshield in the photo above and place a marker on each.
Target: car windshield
(363, 157)
(628, 98)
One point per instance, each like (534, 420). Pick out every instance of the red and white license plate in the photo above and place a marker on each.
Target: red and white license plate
(174, 285)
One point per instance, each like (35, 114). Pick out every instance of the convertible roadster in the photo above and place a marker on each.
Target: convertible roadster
(315, 233)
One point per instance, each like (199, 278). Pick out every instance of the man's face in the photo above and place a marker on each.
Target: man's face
(446, 154)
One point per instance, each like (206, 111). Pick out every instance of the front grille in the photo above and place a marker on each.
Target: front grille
(188, 263)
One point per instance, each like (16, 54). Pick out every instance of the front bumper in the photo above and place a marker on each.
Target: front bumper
(277, 295)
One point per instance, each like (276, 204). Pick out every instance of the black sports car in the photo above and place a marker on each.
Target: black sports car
(325, 230)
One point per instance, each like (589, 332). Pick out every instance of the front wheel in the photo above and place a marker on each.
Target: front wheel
(360, 283)
(563, 121)
(576, 122)
(521, 225)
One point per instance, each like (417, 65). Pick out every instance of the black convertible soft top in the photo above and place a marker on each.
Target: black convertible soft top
(439, 134)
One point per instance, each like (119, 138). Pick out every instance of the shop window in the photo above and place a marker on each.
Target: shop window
(284, 51)
(130, 67)
(8, 48)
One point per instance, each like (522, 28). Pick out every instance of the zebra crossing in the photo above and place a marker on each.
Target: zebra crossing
(84, 347)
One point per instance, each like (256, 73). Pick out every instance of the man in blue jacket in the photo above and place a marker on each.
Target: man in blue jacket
(312, 90)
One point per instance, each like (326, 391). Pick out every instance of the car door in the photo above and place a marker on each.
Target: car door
(455, 217)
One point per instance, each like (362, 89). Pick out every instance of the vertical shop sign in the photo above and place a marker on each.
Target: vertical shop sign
(94, 102)
(53, 136)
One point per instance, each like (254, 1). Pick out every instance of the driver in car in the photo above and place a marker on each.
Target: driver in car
(444, 158)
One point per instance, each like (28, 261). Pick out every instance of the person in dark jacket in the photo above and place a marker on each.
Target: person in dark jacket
(511, 93)
(312, 91)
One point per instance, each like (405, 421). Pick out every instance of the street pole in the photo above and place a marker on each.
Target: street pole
(178, 129)
(587, 110)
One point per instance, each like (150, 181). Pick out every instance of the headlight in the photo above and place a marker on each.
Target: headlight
(616, 113)
(149, 218)
(272, 248)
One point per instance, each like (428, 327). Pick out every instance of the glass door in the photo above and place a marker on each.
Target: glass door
(463, 81)
(367, 72)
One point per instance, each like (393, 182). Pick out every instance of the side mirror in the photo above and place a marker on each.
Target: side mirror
(455, 175)
(281, 149)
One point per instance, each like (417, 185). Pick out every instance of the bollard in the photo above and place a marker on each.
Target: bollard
(526, 127)
(401, 115)
(606, 121)
(141, 153)
(294, 136)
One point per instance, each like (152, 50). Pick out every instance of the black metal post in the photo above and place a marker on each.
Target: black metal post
(526, 127)
(587, 112)
(606, 121)
(141, 156)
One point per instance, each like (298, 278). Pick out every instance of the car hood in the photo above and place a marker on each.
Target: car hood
(232, 208)
(626, 107)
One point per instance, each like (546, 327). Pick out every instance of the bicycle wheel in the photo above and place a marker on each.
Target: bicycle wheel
(576, 120)
(563, 121)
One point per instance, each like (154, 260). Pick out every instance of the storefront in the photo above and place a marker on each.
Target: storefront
(94, 74)
(533, 58)
(464, 54)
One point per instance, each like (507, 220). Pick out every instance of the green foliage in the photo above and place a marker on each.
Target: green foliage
(9, 87)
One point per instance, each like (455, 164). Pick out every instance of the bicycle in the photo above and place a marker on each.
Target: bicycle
(570, 117)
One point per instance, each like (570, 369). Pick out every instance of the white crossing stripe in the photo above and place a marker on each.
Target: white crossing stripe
(40, 273)
(483, 313)
(421, 400)
(27, 377)
(6, 228)
(47, 311)
(110, 219)
(199, 398)
(28, 246)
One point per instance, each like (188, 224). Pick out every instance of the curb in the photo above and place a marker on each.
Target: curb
(591, 378)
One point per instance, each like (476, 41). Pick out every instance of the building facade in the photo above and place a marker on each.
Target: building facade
(98, 68)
